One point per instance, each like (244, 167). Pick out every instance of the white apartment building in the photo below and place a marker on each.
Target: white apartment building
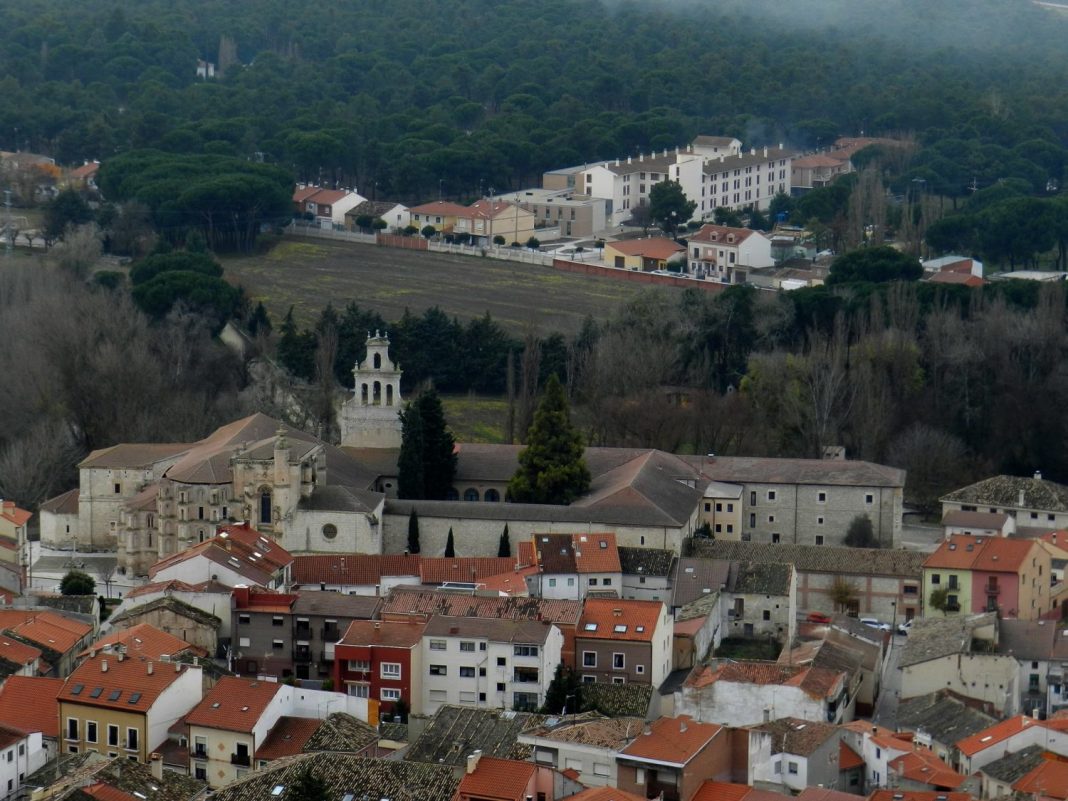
(492, 664)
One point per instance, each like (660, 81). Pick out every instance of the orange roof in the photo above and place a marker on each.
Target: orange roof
(14, 514)
(441, 208)
(17, 652)
(596, 553)
(353, 568)
(105, 792)
(147, 641)
(993, 554)
(925, 767)
(721, 235)
(956, 278)
(672, 741)
(918, 795)
(1048, 780)
(86, 170)
(819, 160)
(384, 633)
(816, 682)
(653, 248)
(327, 197)
(497, 778)
(29, 703)
(513, 582)
(617, 619)
(305, 192)
(131, 684)
(438, 570)
(488, 209)
(47, 629)
(722, 791)
(982, 740)
(233, 704)
(605, 794)
(847, 757)
(239, 548)
(288, 737)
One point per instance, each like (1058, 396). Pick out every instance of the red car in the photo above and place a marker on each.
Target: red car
(819, 617)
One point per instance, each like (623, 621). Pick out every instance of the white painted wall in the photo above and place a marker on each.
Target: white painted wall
(182, 695)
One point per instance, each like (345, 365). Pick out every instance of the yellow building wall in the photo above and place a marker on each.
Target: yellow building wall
(963, 590)
(102, 717)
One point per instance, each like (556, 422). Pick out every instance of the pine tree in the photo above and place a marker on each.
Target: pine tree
(439, 448)
(564, 693)
(450, 546)
(505, 548)
(308, 786)
(413, 532)
(551, 467)
(411, 464)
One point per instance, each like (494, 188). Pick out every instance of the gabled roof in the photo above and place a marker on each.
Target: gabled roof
(345, 774)
(576, 553)
(796, 736)
(134, 454)
(339, 732)
(652, 483)
(1015, 765)
(18, 653)
(815, 682)
(13, 514)
(918, 795)
(619, 619)
(672, 741)
(129, 684)
(492, 629)
(441, 208)
(47, 630)
(721, 235)
(819, 160)
(943, 717)
(596, 731)
(934, 637)
(171, 604)
(656, 247)
(755, 578)
(826, 472)
(963, 279)
(384, 633)
(646, 561)
(1048, 779)
(239, 548)
(352, 569)
(714, 141)
(234, 704)
(63, 504)
(847, 757)
(497, 778)
(1004, 492)
(993, 554)
(144, 640)
(923, 766)
(29, 703)
(999, 732)
(455, 732)
(372, 208)
(696, 578)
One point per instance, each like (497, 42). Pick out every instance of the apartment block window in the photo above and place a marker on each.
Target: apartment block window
(467, 646)
(525, 650)
(359, 665)
(936, 578)
(730, 507)
(869, 499)
(278, 645)
(390, 694)
(619, 661)
(439, 670)
(90, 733)
(953, 581)
(910, 589)
(131, 739)
(113, 735)
(819, 521)
(552, 582)
(501, 661)
(72, 728)
(821, 497)
(391, 670)
(278, 621)
(244, 620)
(589, 659)
(437, 645)
(730, 528)
(792, 768)
(771, 495)
(467, 672)
(593, 582)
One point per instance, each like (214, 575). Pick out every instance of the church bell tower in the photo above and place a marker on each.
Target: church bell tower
(371, 417)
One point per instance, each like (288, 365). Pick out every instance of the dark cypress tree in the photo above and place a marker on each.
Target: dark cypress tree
(505, 548)
(551, 467)
(411, 464)
(450, 546)
(413, 532)
(439, 456)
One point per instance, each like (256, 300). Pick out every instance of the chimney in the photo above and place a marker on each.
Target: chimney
(472, 761)
(1038, 475)
(103, 666)
(628, 159)
(617, 162)
(177, 667)
(780, 145)
(121, 655)
(378, 624)
(682, 725)
(156, 764)
(149, 667)
(641, 157)
(874, 730)
(752, 151)
(647, 729)
(765, 151)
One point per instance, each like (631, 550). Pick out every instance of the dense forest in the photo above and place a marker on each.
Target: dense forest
(410, 99)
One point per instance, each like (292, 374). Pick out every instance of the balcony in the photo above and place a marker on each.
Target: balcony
(331, 634)
(200, 752)
(952, 607)
(992, 589)
(244, 760)
(302, 654)
(525, 676)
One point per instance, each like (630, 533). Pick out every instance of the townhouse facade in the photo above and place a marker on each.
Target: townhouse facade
(623, 642)
(494, 664)
(724, 254)
(673, 757)
(383, 660)
(572, 565)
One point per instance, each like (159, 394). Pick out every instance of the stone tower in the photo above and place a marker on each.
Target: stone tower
(371, 417)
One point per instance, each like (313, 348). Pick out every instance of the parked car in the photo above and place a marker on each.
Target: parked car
(818, 617)
(904, 628)
(875, 624)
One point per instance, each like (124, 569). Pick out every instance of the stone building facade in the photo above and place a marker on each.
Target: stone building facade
(371, 417)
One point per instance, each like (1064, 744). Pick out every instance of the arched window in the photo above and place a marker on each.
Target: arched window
(378, 361)
(265, 506)
(377, 398)
(470, 494)
(452, 494)
(492, 496)
(389, 394)
(363, 394)
(329, 531)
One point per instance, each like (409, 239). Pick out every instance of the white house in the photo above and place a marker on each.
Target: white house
(804, 753)
(327, 206)
(587, 746)
(878, 747)
(572, 565)
(727, 254)
(979, 524)
(494, 664)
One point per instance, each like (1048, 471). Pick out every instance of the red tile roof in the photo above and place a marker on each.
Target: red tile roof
(239, 548)
(46, 629)
(918, 795)
(674, 741)
(618, 619)
(147, 641)
(29, 703)
(1048, 780)
(993, 554)
(356, 569)
(605, 794)
(288, 737)
(925, 767)
(497, 778)
(514, 582)
(384, 633)
(130, 684)
(17, 652)
(85, 170)
(816, 682)
(722, 791)
(442, 208)
(847, 757)
(984, 739)
(106, 792)
(956, 278)
(234, 704)
(720, 235)
(438, 570)
(14, 514)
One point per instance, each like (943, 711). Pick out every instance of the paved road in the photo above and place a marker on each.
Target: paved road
(921, 537)
(886, 707)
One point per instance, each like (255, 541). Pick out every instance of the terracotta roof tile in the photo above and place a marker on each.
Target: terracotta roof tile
(967, 552)
(674, 741)
(605, 794)
(918, 795)
(441, 208)
(16, 652)
(287, 738)
(46, 629)
(384, 633)
(980, 741)
(721, 235)
(848, 758)
(234, 704)
(134, 454)
(439, 570)
(14, 514)
(514, 582)
(923, 766)
(721, 791)
(29, 703)
(618, 619)
(353, 569)
(125, 684)
(105, 792)
(147, 641)
(240, 548)
(817, 682)
(796, 736)
(576, 553)
(497, 778)
(1049, 780)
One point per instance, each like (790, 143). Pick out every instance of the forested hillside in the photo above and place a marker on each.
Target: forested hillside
(394, 97)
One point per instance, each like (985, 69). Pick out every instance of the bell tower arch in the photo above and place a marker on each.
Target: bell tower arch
(370, 418)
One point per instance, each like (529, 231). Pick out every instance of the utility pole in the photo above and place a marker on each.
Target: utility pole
(8, 243)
